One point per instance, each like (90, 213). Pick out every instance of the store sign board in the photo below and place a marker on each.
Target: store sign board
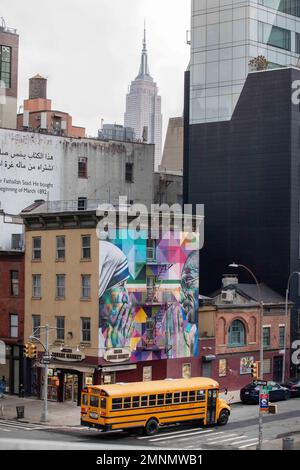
(117, 355)
(67, 355)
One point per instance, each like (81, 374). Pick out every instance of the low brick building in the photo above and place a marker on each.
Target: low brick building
(230, 330)
(12, 317)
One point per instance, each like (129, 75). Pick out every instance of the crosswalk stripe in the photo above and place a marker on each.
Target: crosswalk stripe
(216, 439)
(5, 430)
(249, 445)
(179, 436)
(26, 426)
(174, 432)
(226, 440)
(244, 441)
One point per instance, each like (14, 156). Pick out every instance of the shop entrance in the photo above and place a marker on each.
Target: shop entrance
(70, 387)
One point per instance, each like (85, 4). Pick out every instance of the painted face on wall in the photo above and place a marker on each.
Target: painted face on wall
(189, 284)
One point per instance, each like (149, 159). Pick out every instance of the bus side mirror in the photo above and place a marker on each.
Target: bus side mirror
(226, 391)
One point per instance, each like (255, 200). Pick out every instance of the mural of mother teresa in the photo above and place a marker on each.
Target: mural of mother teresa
(116, 318)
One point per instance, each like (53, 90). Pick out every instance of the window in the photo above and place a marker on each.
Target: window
(200, 395)
(177, 397)
(94, 401)
(298, 43)
(14, 283)
(86, 247)
(290, 7)
(5, 65)
(152, 400)
(117, 403)
(160, 399)
(82, 204)
(267, 366)
(150, 280)
(13, 325)
(237, 334)
(82, 167)
(36, 323)
(150, 330)
(144, 400)
(169, 399)
(274, 36)
(127, 402)
(36, 248)
(60, 286)
(192, 396)
(60, 248)
(60, 328)
(136, 402)
(17, 241)
(281, 337)
(184, 397)
(103, 403)
(129, 173)
(151, 250)
(266, 336)
(36, 286)
(86, 330)
(86, 286)
(298, 322)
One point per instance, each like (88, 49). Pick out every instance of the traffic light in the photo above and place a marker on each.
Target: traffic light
(255, 370)
(33, 351)
(26, 350)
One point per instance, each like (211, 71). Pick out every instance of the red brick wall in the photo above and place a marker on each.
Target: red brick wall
(8, 303)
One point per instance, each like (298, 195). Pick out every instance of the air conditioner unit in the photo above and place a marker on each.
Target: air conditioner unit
(227, 295)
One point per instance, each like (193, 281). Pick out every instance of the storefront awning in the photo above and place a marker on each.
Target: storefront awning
(87, 370)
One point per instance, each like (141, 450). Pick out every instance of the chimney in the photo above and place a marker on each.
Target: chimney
(229, 279)
(37, 87)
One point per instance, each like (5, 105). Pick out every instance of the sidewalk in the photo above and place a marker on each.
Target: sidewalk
(59, 414)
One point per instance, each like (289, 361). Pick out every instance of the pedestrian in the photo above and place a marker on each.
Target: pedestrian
(2, 386)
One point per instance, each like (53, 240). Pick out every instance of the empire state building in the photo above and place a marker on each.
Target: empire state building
(143, 107)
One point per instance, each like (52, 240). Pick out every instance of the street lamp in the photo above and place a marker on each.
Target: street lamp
(260, 423)
(286, 322)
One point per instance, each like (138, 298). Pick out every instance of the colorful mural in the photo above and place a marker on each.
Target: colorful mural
(148, 296)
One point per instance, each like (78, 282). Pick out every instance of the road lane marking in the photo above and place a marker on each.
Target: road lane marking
(174, 432)
(244, 441)
(218, 441)
(180, 436)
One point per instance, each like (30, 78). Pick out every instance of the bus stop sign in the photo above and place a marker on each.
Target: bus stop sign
(264, 402)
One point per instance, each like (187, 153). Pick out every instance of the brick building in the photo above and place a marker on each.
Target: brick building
(12, 316)
(38, 114)
(230, 327)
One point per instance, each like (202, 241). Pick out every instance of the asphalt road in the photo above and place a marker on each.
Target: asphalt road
(241, 432)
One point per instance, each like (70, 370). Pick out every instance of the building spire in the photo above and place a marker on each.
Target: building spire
(144, 68)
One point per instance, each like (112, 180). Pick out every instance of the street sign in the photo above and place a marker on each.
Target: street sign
(262, 382)
(46, 359)
(264, 402)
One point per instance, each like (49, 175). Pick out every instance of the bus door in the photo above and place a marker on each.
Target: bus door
(212, 396)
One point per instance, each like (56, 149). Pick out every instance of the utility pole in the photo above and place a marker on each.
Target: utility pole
(44, 417)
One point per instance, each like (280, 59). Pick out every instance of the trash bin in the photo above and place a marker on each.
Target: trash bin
(287, 443)
(20, 412)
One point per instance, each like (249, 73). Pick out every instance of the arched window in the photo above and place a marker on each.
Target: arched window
(237, 334)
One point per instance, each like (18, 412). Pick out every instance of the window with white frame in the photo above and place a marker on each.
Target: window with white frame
(85, 330)
(60, 248)
(85, 286)
(36, 286)
(60, 286)
(14, 325)
(36, 248)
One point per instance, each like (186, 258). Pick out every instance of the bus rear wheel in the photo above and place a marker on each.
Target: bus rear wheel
(151, 427)
(223, 418)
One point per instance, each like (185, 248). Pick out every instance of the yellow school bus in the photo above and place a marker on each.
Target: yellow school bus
(150, 405)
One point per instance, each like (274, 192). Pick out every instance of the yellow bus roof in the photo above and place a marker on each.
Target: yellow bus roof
(156, 386)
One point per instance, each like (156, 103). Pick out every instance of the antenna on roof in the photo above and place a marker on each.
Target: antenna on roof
(3, 24)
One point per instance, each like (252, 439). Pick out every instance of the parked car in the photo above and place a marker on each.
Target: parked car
(250, 393)
(294, 387)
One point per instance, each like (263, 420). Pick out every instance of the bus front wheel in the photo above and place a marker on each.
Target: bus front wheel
(151, 427)
(223, 418)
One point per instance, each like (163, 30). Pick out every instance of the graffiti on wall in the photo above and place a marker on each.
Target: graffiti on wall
(148, 296)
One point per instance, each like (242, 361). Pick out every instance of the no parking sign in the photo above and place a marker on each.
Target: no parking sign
(264, 402)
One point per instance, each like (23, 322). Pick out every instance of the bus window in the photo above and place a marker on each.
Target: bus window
(192, 396)
(94, 401)
(85, 399)
(160, 399)
(169, 399)
(136, 402)
(176, 397)
(103, 403)
(184, 396)
(200, 395)
(127, 402)
(144, 400)
(152, 400)
(117, 403)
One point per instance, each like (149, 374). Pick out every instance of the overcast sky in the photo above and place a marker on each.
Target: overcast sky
(90, 51)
